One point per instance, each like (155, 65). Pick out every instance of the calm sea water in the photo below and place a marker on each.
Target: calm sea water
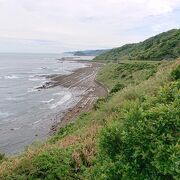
(26, 114)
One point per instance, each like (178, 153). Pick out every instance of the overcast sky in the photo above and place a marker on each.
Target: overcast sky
(63, 25)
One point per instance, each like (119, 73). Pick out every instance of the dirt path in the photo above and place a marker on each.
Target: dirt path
(83, 78)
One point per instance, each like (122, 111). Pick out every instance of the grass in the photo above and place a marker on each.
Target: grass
(126, 73)
(73, 153)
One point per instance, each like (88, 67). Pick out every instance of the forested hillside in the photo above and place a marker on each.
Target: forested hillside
(162, 46)
(89, 52)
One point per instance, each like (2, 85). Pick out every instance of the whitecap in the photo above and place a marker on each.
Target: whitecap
(36, 122)
(4, 114)
(37, 77)
(11, 77)
(62, 101)
(16, 128)
(30, 90)
(32, 75)
(47, 102)
(58, 94)
(11, 99)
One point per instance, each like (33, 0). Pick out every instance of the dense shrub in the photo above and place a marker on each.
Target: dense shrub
(1, 157)
(176, 73)
(117, 88)
(99, 103)
(52, 164)
(64, 131)
(146, 145)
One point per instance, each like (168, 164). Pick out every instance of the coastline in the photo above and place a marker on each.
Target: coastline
(83, 78)
(76, 91)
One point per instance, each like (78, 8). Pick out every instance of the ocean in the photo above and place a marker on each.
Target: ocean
(26, 114)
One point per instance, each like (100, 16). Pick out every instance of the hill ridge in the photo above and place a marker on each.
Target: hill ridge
(165, 45)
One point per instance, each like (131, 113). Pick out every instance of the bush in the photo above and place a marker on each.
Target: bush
(52, 164)
(117, 88)
(98, 103)
(1, 157)
(110, 141)
(146, 145)
(176, 73)
(62, 132)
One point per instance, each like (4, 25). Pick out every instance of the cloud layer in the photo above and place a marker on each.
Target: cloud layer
(60, 25)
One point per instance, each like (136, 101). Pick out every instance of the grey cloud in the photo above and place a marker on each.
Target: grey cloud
(82, 24)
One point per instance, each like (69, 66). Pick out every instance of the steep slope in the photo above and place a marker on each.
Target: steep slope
(162, 46)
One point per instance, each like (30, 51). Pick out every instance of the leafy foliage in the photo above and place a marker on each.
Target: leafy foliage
(163, 46)
(53, 164)
(146, 144)
(176, 73)
(1, 157)
(64, 131)
(99, 103)
(117, 88)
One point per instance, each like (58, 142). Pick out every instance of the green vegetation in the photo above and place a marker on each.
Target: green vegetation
(131, 134)
(119, 86)
(89, 52)
(126, 73)
(163, 46)
(1, 157)
(176, 73)
(142, 142)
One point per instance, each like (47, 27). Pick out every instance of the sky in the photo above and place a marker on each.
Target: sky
(55, 26)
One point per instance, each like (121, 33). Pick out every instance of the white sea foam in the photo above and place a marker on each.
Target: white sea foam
(30, 90)
(4, 114)
(36, 78)
(16, 128)
(59, 94)
(47, 102)
(11, 77)
(12, 98)
(36, 122)
(62, 101)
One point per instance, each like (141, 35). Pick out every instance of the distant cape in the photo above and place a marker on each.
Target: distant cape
(88, 52)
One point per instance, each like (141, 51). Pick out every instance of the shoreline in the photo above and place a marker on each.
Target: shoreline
(83, 90)
(82, 78)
